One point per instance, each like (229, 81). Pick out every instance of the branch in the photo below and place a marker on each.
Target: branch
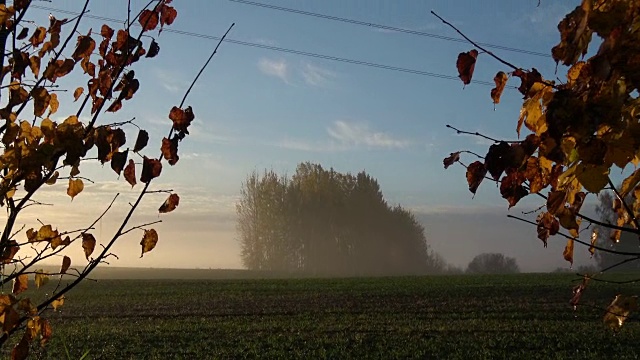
(476, 44)
(458, 131)
(578, 240)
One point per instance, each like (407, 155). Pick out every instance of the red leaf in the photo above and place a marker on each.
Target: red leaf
(466, 64)
(475, 174)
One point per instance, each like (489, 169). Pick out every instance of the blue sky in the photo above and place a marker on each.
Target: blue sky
(258, 108)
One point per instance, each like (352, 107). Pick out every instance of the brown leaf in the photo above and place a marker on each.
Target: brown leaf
(130, 173)
(148, 19)
(451, 159)
(466, 64)
(619, 309)
(151, 168)
(154, 49)
(181, 119)
(23, 33)
(167, 14)
(34, 65)
(21, 350)
(528, 79)
(511, 187)
(106, 31)
(118, 161)
(38, 36)
(578, 290)
(475, 174)
(170, 204)
(547, 225)
(169, 150)
(20, 284)
(501, 81)
(88, 244)
(41, 100)
(141, 141)
(66, 263)
(555, 201)
(149, 241)
(10, 252)
(75, 187)
(84, 47)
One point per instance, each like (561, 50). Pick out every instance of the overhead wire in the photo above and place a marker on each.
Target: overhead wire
(385, 27)
(280, 49)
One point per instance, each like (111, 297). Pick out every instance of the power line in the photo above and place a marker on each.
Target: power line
(386, 27)
(285, 50)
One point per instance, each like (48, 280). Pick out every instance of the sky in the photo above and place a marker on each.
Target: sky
(257, 108)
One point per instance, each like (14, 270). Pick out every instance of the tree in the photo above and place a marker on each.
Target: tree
(627, 243)
(580, 129)
(324, 222)
(492, 263)
(39, 152)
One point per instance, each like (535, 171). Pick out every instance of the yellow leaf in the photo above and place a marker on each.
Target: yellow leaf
(75, 187)
(574, 72)
(619, 310)
(58, 302)
(149, 241)
(629, 183)
(20, 284)
(46, 233)
(594, 239)
(77, 93)
(41, 278)
(53, 104)
(568, 251)
(34, 327)
(88, 244)
(501, 81)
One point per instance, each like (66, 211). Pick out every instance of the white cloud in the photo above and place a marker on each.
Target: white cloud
(277, 68)
(315, 75)
(171, 80)
(361, 134)
(344, 136)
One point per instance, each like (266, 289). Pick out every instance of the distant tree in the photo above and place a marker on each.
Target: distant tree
(492, 263)
(323, 222)
(616, 241)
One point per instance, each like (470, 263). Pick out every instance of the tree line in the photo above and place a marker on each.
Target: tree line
(323, 222)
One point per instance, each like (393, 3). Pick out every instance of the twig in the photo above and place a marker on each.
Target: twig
(458, 131)
(141, 226)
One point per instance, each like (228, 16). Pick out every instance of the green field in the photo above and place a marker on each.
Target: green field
(466, 317)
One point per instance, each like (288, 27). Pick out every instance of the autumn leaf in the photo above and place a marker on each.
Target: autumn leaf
(181, 119)
(169, 150)
(38, 36)
(466, 64)
(66, 263)
(568, 251)
(555, 201)
(118, 161)
(547, 225)
(170, 204)
(130, 173)
(58, 302)
(511, 187)
(451, 159)
(141, 141)
(20, 284)
(619, 309)
(75, 187)
(528, 79)
(10, 251)
(41, 278)
(577, 291)
(154, 49)
(167, 15)
(501, 81)
(592, 177)
(20, 350)
(84, 47)
(151, 168)
(77, 93)
(149, 241)
(148, 19)
(594, 240)
(23, 34)
(475, 174)
(45, 331)
(88, 244)
(34, 65)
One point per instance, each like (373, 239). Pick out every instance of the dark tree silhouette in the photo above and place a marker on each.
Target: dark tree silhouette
(493, 263)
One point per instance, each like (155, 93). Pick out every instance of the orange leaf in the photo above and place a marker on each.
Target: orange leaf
(568, 251)
(170, 204)
(181, 119)
(58, 302)
(148, 19)
(501, 81)
(77, 93)
(149, 241)
(169, 150)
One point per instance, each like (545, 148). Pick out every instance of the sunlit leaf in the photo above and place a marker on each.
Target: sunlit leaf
(170, 204)
(58, 302)
(149, 241)
(75, 187)
(568, 251)
(501, 81)
(77, 93)
(619, 309)
(594, 240)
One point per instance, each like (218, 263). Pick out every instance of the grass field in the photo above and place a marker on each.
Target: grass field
(466, 317)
